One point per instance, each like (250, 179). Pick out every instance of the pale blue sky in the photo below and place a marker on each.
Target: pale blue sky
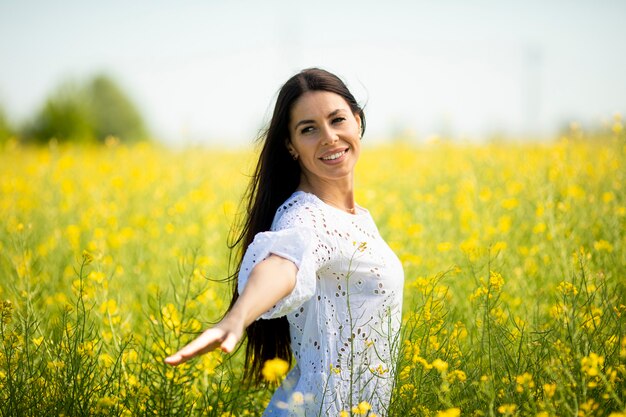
(207, 71)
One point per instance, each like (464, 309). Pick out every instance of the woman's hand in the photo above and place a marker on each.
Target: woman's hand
(225, 335)
(269, 281)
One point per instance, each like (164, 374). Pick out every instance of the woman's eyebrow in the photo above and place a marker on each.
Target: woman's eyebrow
(303, 122)
(334, 113)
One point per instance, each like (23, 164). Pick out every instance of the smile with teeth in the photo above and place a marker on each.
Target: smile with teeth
(334, 156)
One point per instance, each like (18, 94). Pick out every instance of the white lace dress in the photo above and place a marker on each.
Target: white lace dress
(345, 310)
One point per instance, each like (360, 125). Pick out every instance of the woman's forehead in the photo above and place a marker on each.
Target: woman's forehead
(318, 103)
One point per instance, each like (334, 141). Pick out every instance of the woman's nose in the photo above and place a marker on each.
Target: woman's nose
(329, 135)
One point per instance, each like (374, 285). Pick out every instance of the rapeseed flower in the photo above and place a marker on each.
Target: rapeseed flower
(591, 364)
(274, 369)
(450, 412)
(362, 408)
(440, 365)
(549, 390)
(507, 409)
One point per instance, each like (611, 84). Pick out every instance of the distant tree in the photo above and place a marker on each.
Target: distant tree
(5, 128)
(87, 112)
(112, 112)
(64, 116)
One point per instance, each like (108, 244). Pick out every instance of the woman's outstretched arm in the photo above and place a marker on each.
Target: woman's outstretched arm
(271, 280)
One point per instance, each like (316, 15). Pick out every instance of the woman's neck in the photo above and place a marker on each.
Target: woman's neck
(337, 193)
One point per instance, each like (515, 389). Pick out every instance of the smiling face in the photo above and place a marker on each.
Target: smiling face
(325, 135)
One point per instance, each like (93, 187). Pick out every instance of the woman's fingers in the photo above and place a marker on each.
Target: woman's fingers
(206, 342)
(175, 359)
(224, 335)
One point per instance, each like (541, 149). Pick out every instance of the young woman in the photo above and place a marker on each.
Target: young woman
(316, 281)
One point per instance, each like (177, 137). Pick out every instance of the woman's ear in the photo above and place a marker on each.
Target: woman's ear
(289, 146)
(291, 149)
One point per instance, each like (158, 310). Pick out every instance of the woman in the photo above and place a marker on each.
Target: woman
(316, 280)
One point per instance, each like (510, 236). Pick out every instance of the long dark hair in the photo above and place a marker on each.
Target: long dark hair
(275, 178)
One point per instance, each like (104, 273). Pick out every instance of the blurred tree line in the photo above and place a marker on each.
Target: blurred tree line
(5, 128)
(90, 111)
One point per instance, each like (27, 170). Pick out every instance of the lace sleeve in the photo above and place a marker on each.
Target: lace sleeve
(294, 244)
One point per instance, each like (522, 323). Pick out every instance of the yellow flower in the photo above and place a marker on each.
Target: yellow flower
(549, 390)
(422, 361)
(457, 375)
(603, 245)
(539, 228)
(504, 224)
(87, 257)
(407, 390)
(498, 247)
(567, 288)
(592, 318)
(507, 409)
(37, 341)
(524, 381)
(495, 280)
(109, 307)
(588, 407)
(450, 412)
(607, 197)
(106, 359)
(132, 380)
(379, 370)
(479, 292)
(444, 246)
(510, 203)
(591, 364)
(440, 365)
(55, 365)
(274, 369)
(105, 403)
(97, 277)
(362, 408)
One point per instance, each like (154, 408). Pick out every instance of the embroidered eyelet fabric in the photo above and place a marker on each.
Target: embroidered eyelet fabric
(345, 310)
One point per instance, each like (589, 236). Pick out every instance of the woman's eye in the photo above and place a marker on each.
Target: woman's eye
(306, 129)
(338, 119)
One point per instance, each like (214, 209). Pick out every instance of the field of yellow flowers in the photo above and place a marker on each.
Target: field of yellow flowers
(515, 300)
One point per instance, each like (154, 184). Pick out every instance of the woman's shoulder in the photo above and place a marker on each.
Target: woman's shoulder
(308, 209)
(300, 209)
(299, 200)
